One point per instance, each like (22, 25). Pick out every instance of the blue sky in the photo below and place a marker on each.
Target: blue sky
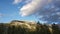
(32, 10)
(9, 12)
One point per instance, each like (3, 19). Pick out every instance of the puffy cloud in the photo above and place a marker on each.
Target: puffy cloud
(17, 1)
(33, 7)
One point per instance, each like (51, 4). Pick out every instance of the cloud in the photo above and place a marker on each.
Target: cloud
(45, 12)
(17, 1)
(57, 3)
(33, 7)
(50, 13)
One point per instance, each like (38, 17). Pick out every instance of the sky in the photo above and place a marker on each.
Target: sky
(9, 11)
(45, 11)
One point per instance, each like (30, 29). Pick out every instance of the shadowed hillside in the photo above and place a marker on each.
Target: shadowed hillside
(26, 27)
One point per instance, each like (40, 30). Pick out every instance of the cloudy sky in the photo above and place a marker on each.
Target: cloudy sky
(36, 10)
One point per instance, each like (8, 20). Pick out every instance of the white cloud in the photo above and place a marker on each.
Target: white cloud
(33, 7)
(16, 1)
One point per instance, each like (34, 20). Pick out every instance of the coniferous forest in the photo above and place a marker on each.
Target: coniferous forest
(21, 27)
